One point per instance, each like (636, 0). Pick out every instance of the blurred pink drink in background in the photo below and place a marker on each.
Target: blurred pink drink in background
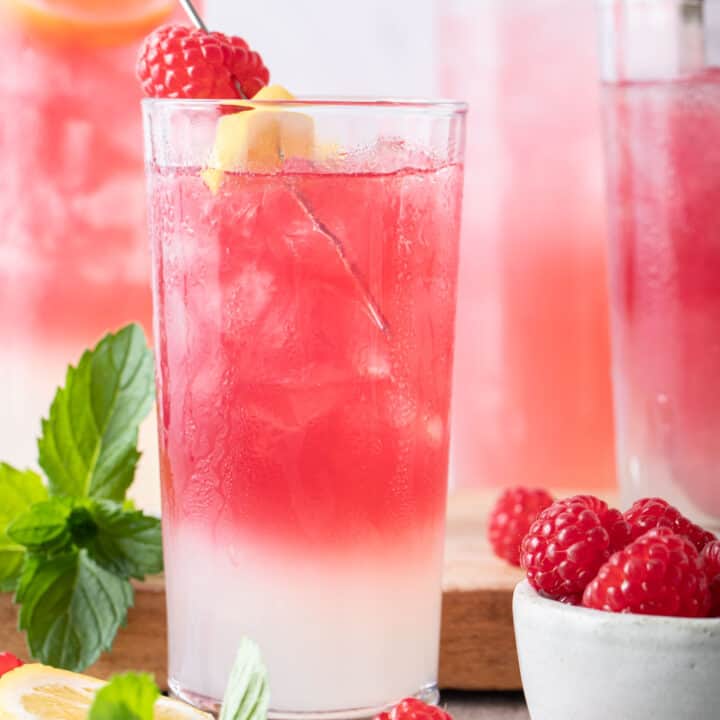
(74, 256)
(662, 109)
(532, 402)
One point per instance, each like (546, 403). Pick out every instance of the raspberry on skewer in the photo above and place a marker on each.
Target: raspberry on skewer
(176, 61)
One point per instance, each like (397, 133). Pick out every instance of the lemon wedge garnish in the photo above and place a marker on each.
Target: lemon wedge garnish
(259, 138)
(40, 692)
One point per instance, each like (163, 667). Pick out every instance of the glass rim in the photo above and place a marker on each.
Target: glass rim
(441, 107)
(679, 3)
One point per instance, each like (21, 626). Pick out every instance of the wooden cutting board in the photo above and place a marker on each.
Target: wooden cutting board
(477, 642)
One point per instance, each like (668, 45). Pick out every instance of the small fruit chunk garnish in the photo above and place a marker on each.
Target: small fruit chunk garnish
(568, 543)
(414, 709)
(259, 137)
(89, 23)
(8, 662)
(711, 557)
(650, 513)
(511, 518)
(181, 62)
(660, 573)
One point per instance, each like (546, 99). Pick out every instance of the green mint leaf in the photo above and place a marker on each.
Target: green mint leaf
(18, 491)
(43, 527)
(130, 696)
(71, 608)
(247, 696)
(88, 446)
(127, 542)
(82, 526)
(11, 560)
(30, 565)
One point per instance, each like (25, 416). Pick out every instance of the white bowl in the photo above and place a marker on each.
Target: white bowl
(581, 664)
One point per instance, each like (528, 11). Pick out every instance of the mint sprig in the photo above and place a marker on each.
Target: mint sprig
(247, 696)
(88, 446)
(130, 696)
(69, 550)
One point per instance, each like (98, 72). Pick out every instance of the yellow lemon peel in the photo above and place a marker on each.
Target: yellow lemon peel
(40, 692)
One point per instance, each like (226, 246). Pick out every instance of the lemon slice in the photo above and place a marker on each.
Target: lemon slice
(258, 138)
(89, 22)
(39, 692)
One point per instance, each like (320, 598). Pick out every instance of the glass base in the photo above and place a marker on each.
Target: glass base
(428, 694)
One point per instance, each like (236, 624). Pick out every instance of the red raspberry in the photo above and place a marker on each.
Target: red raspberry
(181, 62)
(414, 709)
(8, 662)
(650, 513)
(612, 520)
(711, 558)
(567, 544)
(661, 573)
(511, 518)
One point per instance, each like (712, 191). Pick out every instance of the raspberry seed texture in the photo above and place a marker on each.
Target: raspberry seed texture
(414, 709)
(568, 543)
(650, 513)
(511, 518)
(660, 573)
(176, 61)
(711, 558)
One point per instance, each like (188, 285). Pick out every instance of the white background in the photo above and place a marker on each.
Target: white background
(339, 47)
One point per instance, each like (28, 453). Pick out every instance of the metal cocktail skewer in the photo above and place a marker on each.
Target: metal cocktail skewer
(319, 226)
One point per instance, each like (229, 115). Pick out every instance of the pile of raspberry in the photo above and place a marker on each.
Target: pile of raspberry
(650, 560)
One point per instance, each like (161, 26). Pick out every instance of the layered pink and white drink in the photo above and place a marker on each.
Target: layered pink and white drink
(662, 106)
(304, 324)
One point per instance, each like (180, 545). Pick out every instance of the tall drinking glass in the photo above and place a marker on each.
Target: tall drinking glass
(662, 110)
(305, 261)
(533, 348)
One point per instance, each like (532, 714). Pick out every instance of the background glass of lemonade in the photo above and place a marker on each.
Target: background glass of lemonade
(73, 245)
(304, 318)
(662, 111)
(533, 363)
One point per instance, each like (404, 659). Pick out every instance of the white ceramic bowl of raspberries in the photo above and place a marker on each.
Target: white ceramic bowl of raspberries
(620, 614)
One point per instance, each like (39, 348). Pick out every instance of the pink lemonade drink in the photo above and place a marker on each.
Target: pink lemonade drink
(533, 356)
(662, 106)
(73, 246)
(304, 314)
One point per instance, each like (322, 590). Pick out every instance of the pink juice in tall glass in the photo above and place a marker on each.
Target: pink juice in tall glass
(304, 322)
(532, 370)
(664, 193)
